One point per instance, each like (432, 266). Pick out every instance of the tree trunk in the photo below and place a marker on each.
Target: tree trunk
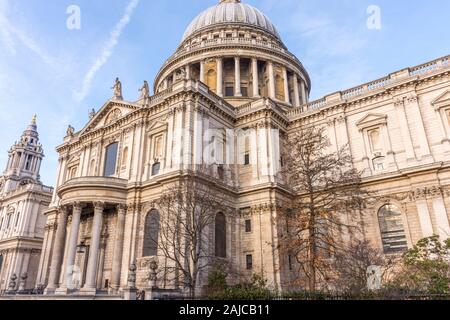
(312, 245)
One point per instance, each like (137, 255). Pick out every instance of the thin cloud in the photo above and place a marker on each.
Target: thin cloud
(9, 32)
(107, 50)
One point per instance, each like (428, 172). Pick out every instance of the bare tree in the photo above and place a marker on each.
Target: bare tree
(328, 194)
(188, 212)
(352, 265)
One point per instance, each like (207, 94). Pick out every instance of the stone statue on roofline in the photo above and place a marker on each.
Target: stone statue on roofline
(145, 91)
(70, 131)
(117, 90)
(92, 113)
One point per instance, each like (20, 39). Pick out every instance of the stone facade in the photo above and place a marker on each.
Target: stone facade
(22, 199)
(224, 104)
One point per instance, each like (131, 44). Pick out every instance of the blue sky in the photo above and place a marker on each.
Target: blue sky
(60, 74)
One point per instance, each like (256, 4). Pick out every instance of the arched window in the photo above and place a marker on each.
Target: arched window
(220, 236)
(111, 160)
(151, 234)
(392, 229)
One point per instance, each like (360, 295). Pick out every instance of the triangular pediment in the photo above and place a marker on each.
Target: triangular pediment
(442, 100)
(372, 119)
(111, 112)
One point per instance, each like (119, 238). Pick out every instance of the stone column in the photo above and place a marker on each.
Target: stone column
(271, 81)
(118, 247)
(22, 161)
(58, 252)
(101, 265)
(387, 143)
(296, 92)
(304, 95)
(414, 107)
(91, 274)
(219, 77)
(441, 217)
(188, 72)
(424, 217)
(202, 71)
(8, 165)
(286, 86)
(409, 148)
(255, 78)
(237, 77)
(72, 249)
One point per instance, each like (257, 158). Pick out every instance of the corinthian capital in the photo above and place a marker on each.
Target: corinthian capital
(64, 209)
(121, 208)
(99, 205)
(77, 205)
(399, 102)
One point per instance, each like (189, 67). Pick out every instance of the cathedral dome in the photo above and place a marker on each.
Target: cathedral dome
(231, 12)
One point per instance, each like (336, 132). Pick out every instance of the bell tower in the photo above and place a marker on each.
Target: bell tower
(24, 161)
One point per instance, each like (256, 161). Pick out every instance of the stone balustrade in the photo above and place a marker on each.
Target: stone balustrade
(379, 84)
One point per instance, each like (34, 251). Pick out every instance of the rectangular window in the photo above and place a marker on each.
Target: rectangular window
(156, 168)
(111, 160)
(229, 91)
(247, 159)
(72, 172)
(28, 164)
(247, 151)
(17, 219)
(8, 223)
(378, 163)
(248, 226)
(290, 262)
(249, 262)
(244, 91)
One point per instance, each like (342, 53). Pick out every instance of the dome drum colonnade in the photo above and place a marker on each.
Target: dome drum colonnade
(235, 50)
